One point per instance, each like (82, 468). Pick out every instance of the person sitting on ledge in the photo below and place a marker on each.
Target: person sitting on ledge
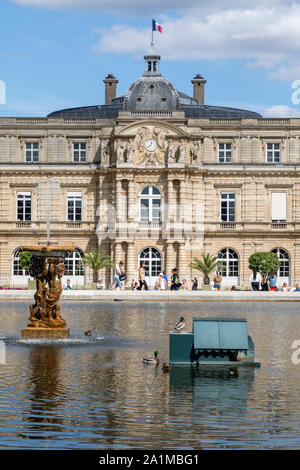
(88, 333)
(100, 285)
(284, 287)
(68, 286)
(296, 288)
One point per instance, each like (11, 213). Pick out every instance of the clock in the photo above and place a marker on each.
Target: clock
(150, 145)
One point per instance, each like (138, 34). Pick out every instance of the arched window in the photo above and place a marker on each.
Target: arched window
(153, 263)
(283, 272)
(73, 263)
(19, 276)
(150, 205)
(228, 261)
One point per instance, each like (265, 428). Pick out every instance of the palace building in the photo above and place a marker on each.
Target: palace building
(153, 175)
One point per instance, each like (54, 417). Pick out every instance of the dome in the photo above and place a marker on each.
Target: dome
(151, 93)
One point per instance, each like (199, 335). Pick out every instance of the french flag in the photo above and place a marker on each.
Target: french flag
(156, 26)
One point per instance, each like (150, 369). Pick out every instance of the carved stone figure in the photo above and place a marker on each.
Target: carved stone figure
(130, 152)
(120, 152)
(181, 149)
(141, 137)
(196, 153)
(171, 151)
(160, 136)
(105, 160)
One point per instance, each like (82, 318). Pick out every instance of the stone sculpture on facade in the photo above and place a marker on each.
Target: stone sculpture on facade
(105, 158)
(181, 149)
(120, 152)
(196, 153)
(171, 152)
(130, 152)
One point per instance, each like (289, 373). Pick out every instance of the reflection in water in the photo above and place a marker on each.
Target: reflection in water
(46, 395)
(98, 394)
(213, 389)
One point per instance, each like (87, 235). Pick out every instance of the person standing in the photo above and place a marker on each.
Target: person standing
(118, 274)
(142, 281)
(264, 284)
(175, 284)
(255, 280)
(273, 281)
(195, 284)
(217, 280)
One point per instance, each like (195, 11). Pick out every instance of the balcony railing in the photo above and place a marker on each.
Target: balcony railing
(228, 226)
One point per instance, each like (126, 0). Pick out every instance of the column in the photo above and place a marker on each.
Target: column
(182, 202)
(130, 267)
(131, 213)
(118, 252)
(182, 268)
(170, 262)
(118, 199)
(295, 275)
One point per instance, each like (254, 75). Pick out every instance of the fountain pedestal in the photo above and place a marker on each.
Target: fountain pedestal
(45, 333)
(47, 268)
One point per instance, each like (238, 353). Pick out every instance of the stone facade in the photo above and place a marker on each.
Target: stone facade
(152, 175)
(183, 164)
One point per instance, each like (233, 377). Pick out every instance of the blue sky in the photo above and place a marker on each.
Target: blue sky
(55, 54)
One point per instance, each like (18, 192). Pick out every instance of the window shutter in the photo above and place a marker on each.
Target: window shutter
(279, 207)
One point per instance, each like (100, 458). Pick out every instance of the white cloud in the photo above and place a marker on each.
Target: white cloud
(281, 111)
(264, 34)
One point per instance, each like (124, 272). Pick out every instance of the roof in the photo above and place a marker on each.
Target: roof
(152, 92)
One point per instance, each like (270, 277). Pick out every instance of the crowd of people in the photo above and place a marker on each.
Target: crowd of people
(258, 282)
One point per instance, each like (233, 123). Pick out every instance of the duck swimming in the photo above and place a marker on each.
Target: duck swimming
(153, 360)
(180, 325)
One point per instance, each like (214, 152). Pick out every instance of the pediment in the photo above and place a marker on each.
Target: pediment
(132, 129)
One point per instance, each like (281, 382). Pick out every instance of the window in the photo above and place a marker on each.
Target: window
(24, 206)
(284, 269)
(150, 205)
(228, 265)
(153, 264)
(79, 152)
(73, 263)
(32, 152)
(228, 207)
(225, 152)
(17, 270)
(273, 153)
(278, 207)
(74, 207)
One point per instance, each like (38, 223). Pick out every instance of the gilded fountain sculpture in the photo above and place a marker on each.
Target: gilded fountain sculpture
(47, 268)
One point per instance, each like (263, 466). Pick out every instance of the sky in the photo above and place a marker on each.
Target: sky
(54, 54)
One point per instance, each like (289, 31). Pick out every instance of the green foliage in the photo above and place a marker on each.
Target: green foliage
(25, 259)
(205, 266)
(264, 262)
(97, 260)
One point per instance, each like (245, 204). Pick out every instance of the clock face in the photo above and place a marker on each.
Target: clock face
(150, 145)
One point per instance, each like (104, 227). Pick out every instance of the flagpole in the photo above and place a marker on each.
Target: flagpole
(152, 44)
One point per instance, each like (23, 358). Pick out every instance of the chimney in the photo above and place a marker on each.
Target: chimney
(199, 82)
(110, 88)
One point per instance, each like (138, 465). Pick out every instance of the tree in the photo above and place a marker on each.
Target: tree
(97, 260)
(25, 260)
(206, 266)
(264, 262)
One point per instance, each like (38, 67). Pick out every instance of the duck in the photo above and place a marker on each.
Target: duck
(165, 368)
(180, 325)
(153, 360)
